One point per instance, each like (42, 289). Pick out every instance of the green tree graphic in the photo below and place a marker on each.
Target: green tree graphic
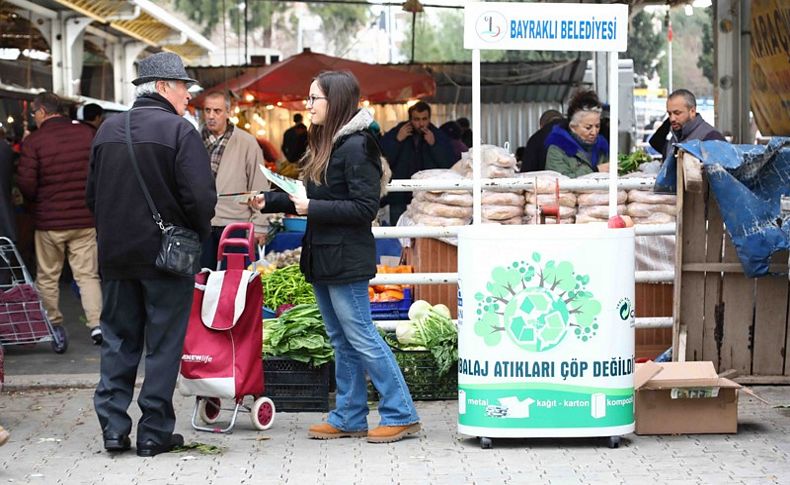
(536, 305)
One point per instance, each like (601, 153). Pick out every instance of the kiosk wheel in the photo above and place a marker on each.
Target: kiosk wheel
(613, 442)
(486, 443)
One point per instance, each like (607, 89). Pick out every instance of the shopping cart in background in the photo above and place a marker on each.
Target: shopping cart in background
(23, 320)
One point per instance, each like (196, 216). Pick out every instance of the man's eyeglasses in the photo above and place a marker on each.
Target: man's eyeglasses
(311, 99)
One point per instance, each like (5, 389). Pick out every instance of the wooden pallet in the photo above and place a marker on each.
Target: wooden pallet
(719, 314)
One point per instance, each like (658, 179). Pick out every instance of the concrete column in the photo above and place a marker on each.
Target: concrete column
(732, 19)
(67, 50)
(123, 57)
(600, 76)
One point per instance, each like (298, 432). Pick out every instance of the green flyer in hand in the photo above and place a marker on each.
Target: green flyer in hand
(289, 185)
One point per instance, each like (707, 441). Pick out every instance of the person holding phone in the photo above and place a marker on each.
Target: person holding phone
(412, 146)
(342, 173)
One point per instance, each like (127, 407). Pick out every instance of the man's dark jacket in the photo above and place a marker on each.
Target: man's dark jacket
(52, 171)
(7, 214)
(535, 152)
(414, 154)
(295, 142)
(176, 168)
(338, 246)
(695, 129)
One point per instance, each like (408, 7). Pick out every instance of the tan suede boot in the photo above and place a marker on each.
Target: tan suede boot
(388, 434)
(326, 431)
(4, 435)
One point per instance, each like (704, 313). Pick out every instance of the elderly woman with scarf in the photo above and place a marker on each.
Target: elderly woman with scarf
(575, 147)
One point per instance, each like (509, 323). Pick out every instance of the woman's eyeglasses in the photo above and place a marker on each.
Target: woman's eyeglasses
(311, 99)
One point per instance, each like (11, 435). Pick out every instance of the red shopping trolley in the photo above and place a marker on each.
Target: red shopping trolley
(23, 320)
(222, 350)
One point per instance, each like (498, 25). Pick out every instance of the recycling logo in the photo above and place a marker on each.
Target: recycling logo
(536, 305)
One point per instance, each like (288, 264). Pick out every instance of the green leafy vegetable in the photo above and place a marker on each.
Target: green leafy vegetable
(201, 448)
(630, 162)
(286, 286)
(431, 328)
(298, 334)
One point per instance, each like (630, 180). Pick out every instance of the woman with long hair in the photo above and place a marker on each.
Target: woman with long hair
(342, 173)
(575, 147)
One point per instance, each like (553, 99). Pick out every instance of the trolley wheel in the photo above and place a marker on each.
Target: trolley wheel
(486, 443)
(60, 339)
(209, 409)
(262, 413)
(614, 442)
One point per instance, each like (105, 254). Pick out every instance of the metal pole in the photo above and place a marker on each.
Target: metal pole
(413, 33)
(246, 25)
(669, 74)
(477, 194)
(614, 118)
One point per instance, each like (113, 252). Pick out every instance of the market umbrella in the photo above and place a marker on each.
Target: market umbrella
(289, 80)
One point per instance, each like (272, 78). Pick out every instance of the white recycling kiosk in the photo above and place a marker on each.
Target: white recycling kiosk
(545, 330)
(546, 312)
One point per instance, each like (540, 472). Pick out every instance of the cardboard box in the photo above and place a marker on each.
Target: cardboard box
(684, 398)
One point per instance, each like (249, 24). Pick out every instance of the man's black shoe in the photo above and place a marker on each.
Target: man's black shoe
(117, 442)
(149, 448)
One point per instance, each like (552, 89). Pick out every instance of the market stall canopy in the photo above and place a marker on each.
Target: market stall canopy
(289, 80)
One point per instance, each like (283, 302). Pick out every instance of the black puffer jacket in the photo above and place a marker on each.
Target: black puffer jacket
(176, 169)
(338, 246)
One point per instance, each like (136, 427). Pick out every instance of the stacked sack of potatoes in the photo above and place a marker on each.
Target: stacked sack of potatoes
(545, 193)
(594, 204)
(502, 206)
(648, 207)
(441, 207)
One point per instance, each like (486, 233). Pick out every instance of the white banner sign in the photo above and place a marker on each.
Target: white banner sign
(546, 26)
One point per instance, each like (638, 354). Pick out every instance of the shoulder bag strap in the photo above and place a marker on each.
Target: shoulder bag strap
(151, 206)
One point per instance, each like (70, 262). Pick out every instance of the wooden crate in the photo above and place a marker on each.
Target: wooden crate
(719, 314)
(434, 256)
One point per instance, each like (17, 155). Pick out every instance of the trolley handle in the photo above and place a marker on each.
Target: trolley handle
(237, 242)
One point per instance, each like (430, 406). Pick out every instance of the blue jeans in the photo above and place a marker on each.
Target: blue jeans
(359, 349)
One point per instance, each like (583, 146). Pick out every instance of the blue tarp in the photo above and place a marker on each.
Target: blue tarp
(747, 182)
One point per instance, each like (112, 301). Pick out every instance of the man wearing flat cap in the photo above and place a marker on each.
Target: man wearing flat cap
(145, 308)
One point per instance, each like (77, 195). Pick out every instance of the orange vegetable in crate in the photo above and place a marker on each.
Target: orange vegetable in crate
(392, 288)
(390, 295)
(371, 293)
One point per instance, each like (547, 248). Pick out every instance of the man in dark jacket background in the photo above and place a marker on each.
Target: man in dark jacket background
(144, 307)
(535, 151)
(684, 122)
(412, 146)
(295, 140)
(52, 171)
(7, 215)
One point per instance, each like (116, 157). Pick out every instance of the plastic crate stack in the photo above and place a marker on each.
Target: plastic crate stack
(392, 310)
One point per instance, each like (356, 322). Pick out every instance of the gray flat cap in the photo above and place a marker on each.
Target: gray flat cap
(164, 65)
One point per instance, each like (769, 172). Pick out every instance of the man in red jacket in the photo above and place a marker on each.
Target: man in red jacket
(52, 173)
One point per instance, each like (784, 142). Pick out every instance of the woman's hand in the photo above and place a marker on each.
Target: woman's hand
(603, 167)
(300, 204)
(257, 202)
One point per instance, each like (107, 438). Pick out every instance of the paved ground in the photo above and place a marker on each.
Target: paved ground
(55, 439)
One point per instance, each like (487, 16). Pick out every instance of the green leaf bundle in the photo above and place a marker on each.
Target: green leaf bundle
(298, 334)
